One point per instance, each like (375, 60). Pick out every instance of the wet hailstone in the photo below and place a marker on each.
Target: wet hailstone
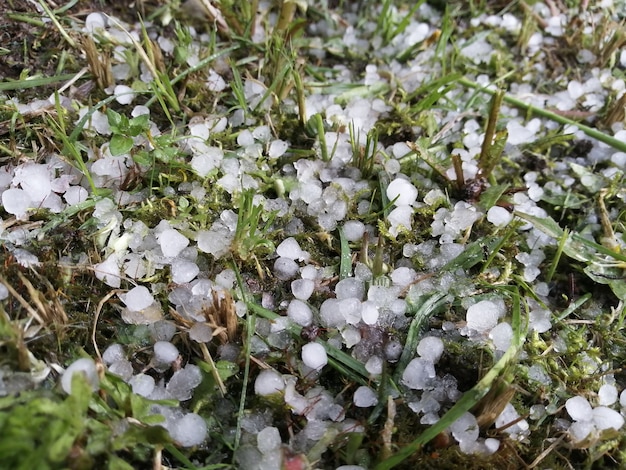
(84, 366)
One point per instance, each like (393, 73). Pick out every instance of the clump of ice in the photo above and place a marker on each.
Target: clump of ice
(402, 192)
(590, 421)
(142, 384)
(607, 395)
(138, 298)
(499, 216)
(172, 242)
(115, 352)
(189, 431)
(302, 289)
(84, 366)
(365, 397)
(201, 332)
(300, 313)
(268, 382)
(418, 374)
(314, 356)
(290, 249)
(483, 316)
(165, 353)
(183, 381)
(430, 348)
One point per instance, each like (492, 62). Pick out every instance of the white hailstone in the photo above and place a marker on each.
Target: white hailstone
(300, 313)
(499, 216)
(162, 330)
(465, 429)
(401, 216)
(142, 384)
(184, 271)
(501, 335)
(122, 368)
(277, 148)
(579, 430)
(109, 271)
(75, 195)
(302, 289)
(607, 395)
(330, 314)
(268, 439)
(17, 202)
(85, 366)
(165, 352)
(285, 268)
(353, 230)
(215, 82)
(137, 299)
(113, 353)
(124, 94)
(418, 373)
(374, 365)
(183, 381)
(215, 241)
(350, 288)
(519, 134)
(289, 248)
(95, 21)
(226, 278)
(365, 397)
(369, 312)
(430, 348)
(268, 382)
(315, 429)
(35, 180)
(579, 409)
(539, 320)
(4, 292)
(205, 162)
(200, 332)
(491, 445)
(189, 431)
(351, 336)
(607, 418)
(172, 242)
(314, 355)
(403, 190)
(403, 276)
(483, 316)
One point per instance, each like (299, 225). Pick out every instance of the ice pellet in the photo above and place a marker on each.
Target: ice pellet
(189, 431)
(268, 439)
(165, 352)
(607, 395)
(314, 355)
(85, 366)
(430, 348)
(364, 397)
(138, 298)
(403, 190)
(142, 384)
(113, 353)
(300, 313)
(302, 288)
(482, 316)
(579, 408)
(201, 332)
(268, 382)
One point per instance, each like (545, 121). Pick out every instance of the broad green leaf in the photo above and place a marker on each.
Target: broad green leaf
(120, 145)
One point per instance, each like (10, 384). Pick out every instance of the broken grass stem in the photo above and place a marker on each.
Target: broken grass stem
(593, 133)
